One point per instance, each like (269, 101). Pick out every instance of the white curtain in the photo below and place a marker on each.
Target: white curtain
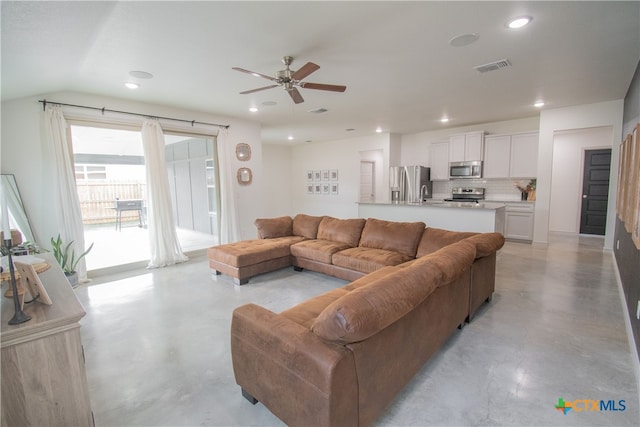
(163, 239)
(229, 229)
(67, 204)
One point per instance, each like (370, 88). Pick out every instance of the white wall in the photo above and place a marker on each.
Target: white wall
(344, 155)
(25, 154)
(579, 117)
(568, 165)
(278, 185)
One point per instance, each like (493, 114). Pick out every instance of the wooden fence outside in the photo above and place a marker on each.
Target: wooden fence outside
(98, 199)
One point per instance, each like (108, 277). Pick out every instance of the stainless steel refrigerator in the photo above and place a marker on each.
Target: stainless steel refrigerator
(410, 184)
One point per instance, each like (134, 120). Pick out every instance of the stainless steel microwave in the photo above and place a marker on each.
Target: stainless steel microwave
(458, 170)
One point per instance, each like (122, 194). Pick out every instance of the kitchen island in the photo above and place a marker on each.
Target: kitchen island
(455, 216)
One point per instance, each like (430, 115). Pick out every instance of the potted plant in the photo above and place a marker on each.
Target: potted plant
(66, 257)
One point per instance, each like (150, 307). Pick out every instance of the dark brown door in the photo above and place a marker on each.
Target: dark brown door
(595, 191)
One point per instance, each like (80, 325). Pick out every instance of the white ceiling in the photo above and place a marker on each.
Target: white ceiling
(394, 57)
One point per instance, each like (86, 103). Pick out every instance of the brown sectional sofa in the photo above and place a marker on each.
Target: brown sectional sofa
(341, 357)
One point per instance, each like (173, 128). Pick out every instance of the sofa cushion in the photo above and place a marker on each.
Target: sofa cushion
(367, 260)
(363, 281)
(402, 237)
(306, 225)
(436, 238)
(317, 250)
(452, 260)
(372, 307)
(250, 252)
(341, 230)
(486, 243)
(269, 228)
(306, 312)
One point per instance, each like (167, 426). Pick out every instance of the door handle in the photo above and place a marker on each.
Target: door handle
(584, 196)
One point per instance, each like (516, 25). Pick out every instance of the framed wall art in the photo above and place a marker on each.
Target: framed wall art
(334, 188)
(635, 212)
(34, 285)
(630, 181)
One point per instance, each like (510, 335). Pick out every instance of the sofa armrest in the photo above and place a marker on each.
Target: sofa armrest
(299, 377)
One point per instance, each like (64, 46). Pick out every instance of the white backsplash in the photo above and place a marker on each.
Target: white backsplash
(495, 189)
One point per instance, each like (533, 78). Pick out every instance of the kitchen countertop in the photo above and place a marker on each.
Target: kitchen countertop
(491, 205)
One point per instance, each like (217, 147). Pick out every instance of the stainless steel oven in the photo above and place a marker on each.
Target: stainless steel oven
(471, 169)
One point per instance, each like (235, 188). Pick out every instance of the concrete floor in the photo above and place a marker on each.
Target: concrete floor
(157, 345)
(130, 245)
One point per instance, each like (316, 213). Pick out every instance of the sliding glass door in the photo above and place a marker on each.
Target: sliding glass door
(110, 178)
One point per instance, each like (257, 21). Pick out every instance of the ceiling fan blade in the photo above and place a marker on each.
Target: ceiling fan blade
(306, 69)
(258, 89)
(253, 73)
(295, 95)
(320, 86)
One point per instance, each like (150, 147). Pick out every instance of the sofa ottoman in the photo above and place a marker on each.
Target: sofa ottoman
(245, 259)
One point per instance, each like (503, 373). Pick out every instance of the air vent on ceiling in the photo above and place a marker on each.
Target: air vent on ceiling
(492, 66)
(318, 110)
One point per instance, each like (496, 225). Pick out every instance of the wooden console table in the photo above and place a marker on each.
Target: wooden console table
(43, 375)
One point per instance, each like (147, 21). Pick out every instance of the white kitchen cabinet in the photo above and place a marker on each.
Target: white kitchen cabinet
(497, 156)
(439, 161)
(466, 146)
(511, 156)
(524, 155)
(519, 221)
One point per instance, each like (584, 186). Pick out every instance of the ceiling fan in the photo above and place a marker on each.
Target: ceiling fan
(289, 79)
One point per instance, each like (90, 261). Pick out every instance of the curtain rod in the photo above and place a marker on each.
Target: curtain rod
(103, 110)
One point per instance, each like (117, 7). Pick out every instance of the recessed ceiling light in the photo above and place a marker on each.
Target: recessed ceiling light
(463, 40)
(519, 22)
(140, 74)
(253, 109)
(378, 129)
(444, 120)
(539, 104)
(290, 138)
(132, 85)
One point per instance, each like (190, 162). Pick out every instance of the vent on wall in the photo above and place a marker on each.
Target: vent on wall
(492, 66)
